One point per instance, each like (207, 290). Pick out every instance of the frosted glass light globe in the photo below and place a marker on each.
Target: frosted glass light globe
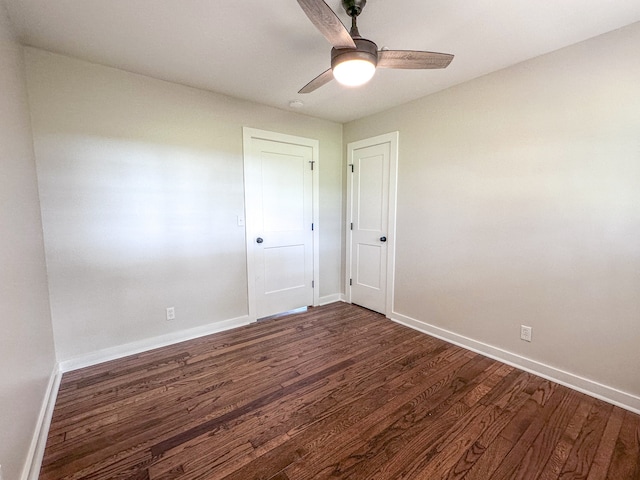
(354, 73)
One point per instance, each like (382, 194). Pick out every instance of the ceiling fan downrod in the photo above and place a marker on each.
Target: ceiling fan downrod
(353, 9)
(354, 29)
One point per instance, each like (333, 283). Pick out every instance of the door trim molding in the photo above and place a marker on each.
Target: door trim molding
(247, 135)
(392, 139)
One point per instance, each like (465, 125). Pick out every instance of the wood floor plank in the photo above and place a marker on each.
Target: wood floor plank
(625, 462)
(440, 455)
(584, 448)
(543, 446)
(562, 449)
(560, 404)
(324, 433)
(496, 448)
(317, 433)
(426, 416)
(334, 392)
(602, 459)
(505, 408)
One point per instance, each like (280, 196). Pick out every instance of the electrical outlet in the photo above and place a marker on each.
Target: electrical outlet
(525, 333)
(171, 313)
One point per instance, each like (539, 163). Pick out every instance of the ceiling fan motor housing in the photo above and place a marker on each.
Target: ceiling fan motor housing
(365, 50)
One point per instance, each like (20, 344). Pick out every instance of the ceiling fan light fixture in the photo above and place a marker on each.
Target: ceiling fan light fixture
(355, 67)
(354, 72)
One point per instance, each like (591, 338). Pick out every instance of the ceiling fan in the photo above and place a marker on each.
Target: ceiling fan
(354, 59)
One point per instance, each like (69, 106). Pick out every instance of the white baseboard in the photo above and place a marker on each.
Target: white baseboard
(133, 348)
(31, 469)
(326, 300)
(612, 395)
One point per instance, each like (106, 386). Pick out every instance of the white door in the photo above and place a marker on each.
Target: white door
(279, 184)
(372, 167)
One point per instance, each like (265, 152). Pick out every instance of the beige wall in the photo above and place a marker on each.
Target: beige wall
(141, 183)
(27, 356)
(519, 203)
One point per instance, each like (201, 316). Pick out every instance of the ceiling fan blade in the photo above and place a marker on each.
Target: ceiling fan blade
(412, 59)
(328, 23)
(322, 79)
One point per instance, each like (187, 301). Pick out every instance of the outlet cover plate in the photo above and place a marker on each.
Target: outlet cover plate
(525, 333)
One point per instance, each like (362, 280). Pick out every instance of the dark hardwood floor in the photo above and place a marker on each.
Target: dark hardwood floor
(336, 392)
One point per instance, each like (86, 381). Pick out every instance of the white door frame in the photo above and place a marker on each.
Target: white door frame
(247, 135)
(392, 139)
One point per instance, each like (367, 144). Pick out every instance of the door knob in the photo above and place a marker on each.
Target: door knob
(259, 240)
(383, 239)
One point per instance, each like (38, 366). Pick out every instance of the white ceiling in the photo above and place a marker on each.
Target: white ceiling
(266, 50)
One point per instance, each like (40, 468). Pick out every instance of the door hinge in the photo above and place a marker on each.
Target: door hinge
(313, 284)
(351, 225)
(312, 227)
(350, 281)
(312, 162)
(351, 167)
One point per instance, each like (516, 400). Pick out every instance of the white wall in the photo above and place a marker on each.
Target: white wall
(519, 203)
(27, 356)
(141, 183)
